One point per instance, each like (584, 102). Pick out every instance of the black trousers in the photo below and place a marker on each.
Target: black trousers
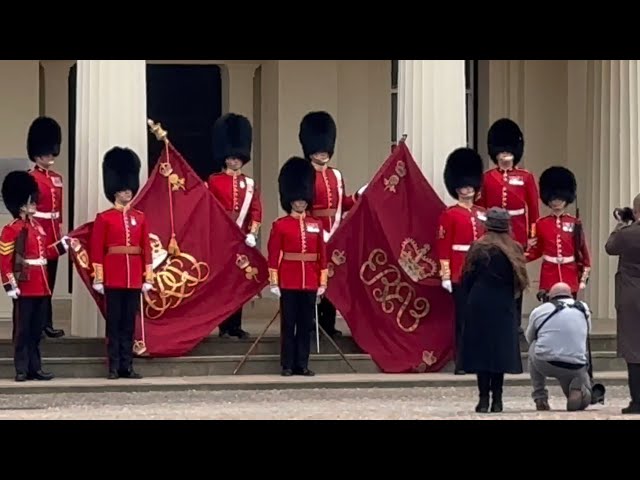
(28, 320)
(634, 382)
(52, 270)
(233, 323)
(122, 305)
(297, 308)
(490, 382)
(327, 316)
(460, 301)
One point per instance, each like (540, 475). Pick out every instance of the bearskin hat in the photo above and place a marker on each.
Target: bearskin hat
(44, 138)
(558, 183)
(120, 171)
(317, 133)
(18, 186)
(296, 182)
(232, 137)
(505, 136)
(464, 168)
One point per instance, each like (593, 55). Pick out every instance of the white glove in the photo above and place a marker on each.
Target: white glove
(532, 242)
(251, 240)
(446, 284)
(146, 286)
(321, 291)
(99, 287)
(275, 290)
(362, 189)
(13, 294)
(583, 285)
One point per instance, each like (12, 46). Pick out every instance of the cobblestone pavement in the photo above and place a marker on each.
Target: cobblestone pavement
(402, 403)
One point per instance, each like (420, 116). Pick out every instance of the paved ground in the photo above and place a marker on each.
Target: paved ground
(402, 403)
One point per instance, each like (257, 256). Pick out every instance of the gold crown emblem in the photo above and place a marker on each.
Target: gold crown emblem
(158, 253)
(414, 261)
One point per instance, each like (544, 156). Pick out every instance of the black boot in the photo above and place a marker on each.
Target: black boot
(496, 402)
(53, 333)
(40, 375)
(634, 389)
(497, 380)
(484, 382)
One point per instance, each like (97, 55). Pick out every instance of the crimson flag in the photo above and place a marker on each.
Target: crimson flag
(384, 275)
(204, 271)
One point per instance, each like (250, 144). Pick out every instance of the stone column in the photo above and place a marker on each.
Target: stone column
(111, 111)
(613, 137)
(432, 112)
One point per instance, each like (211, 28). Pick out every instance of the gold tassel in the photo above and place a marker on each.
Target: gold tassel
(173, 248)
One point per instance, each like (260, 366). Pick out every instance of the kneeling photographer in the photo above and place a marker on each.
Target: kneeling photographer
(558, 334)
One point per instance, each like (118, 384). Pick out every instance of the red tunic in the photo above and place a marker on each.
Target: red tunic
(36, 253)
(555, 244)
(120, 249)
(330, 201)
(231, 190)
(297, 254)
(516, 191)
(49, 206)
(459, 228)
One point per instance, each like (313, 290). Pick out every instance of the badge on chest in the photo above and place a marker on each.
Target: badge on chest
(568, 227)
(134, 222)
(517, 181)
(312, 228)
(481, 216)
(56, 181)
(242, 184)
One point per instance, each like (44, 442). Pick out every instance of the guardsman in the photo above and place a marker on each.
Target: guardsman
(317, 136)
(509, 186)
(43, 146)
(560, 240)
(121, 258)
(238, 193)
(460, 225)
(297, 265)
(24, 253)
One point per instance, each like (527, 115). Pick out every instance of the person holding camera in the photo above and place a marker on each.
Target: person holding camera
(557, 335)
(559, 238)
(624, 242)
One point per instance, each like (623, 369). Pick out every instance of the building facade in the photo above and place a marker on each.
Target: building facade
(581, 114)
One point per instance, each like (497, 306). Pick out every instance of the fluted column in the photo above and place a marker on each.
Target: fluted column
(432, 112)
(111, 110)
(613, 137)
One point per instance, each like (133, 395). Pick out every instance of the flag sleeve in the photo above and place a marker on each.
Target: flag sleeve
(445, 235)
(274, 248)
(7, 248)
(97, 242)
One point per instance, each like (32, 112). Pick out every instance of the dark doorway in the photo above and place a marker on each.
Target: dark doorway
(186, 100)
(71, 148)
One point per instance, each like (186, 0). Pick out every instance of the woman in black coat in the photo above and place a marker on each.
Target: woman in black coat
(494, 276)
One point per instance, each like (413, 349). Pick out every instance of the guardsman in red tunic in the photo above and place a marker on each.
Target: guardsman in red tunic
(238, 193)
(43, 146)
(460, 225)
(121, 258)
(509, 186)
(24, 253)
(297, 265)
(317, 136)
(560, 240)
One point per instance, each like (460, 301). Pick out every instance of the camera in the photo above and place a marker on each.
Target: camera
(624, 215)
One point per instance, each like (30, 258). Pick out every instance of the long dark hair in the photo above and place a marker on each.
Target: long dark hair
(481, 250)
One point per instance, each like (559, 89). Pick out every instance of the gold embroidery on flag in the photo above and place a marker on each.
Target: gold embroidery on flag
(414, 261)
(243, 263)
(394, 295)
(166, 170)
(337, 258)
(428, 359)
(393, 181)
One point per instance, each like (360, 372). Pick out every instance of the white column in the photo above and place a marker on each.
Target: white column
(111, 111)
(432, 112)
(613, 136)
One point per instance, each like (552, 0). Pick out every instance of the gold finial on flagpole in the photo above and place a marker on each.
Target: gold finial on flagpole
(157, 130)
(403, 139)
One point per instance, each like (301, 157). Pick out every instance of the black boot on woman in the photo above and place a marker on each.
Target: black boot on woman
(497, 380)
(484, 382)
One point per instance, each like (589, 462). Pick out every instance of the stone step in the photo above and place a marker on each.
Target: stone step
(66, 367)
(213, 345)
(271, 382)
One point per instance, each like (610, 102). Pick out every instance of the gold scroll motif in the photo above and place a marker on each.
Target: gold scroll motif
(337, 258)
(428, 359)
(243, 263)
(393, 181)
(413, 260)
(176, 278)
(395, 296)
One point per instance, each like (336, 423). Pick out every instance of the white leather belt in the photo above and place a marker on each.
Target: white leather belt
(47, 215)
(515, 213)
(35, 261)
(460, 248)
(559, 260)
